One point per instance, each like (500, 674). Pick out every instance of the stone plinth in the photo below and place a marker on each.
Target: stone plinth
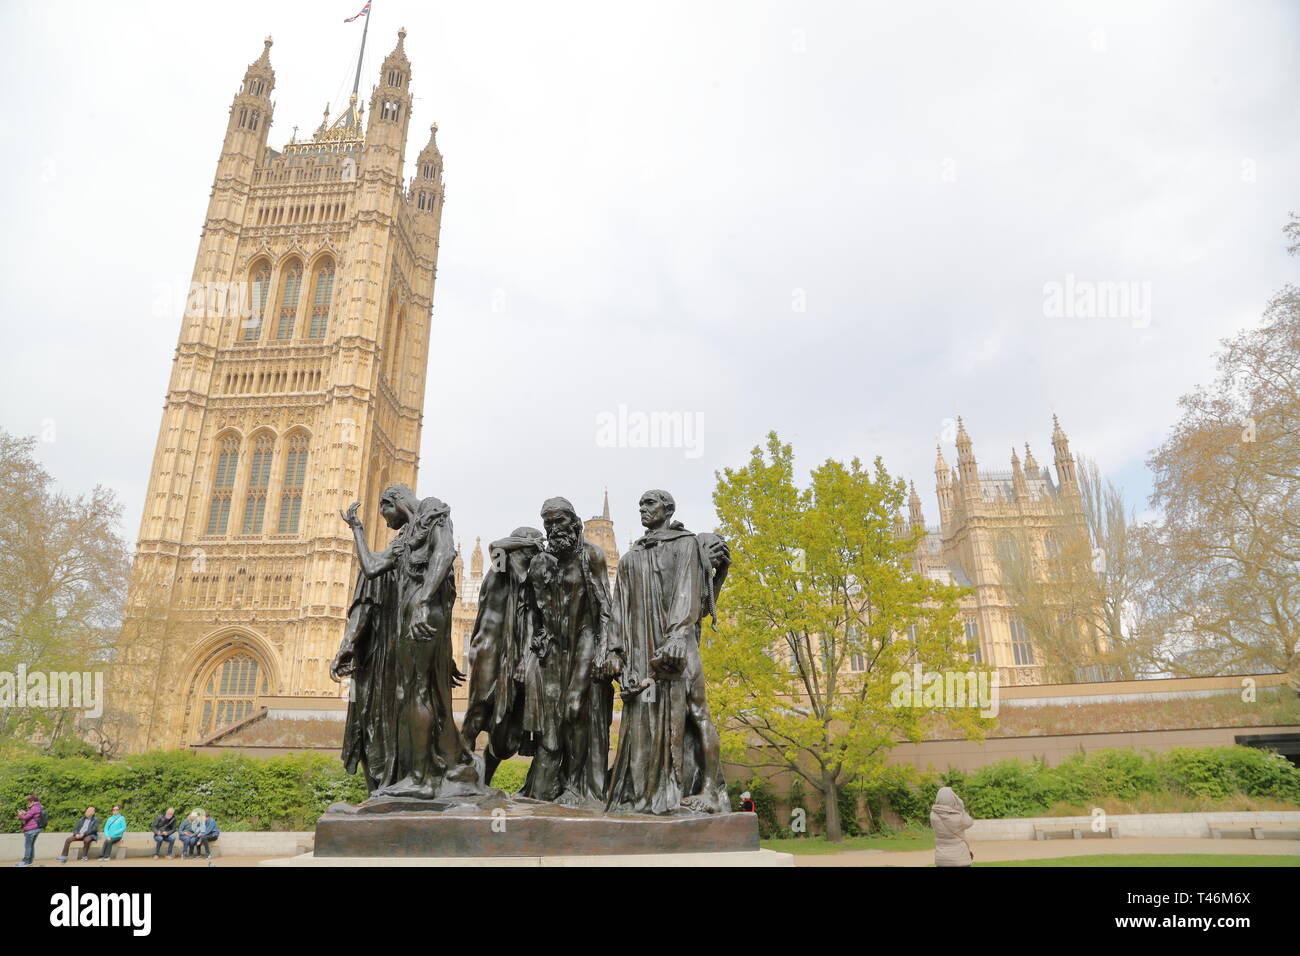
(500, 826)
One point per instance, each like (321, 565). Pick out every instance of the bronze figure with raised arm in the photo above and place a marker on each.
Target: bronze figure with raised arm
(397, 651)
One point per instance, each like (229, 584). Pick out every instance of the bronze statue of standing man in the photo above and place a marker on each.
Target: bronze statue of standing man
(568, 697)
(669, 756)
(397, 650)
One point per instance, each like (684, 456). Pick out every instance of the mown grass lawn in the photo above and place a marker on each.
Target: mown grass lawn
(1157, 859)
(921, 840)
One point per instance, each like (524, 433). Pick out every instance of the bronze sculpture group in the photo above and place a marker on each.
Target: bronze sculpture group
(548, 645)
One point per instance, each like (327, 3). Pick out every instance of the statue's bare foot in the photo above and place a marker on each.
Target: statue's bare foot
(708, 802)
(407, 787)
(571, 798)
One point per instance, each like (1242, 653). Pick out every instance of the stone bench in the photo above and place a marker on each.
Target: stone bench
(1077, 830)
(133, 848)
(1257, 830)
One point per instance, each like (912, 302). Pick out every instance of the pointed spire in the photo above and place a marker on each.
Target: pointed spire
(963, 439)
(966, 465)
(1031, 464)
(604, 512)
(395, 59)
(940, 463)
(914, 508)
(1019, 486)
(476, 559)
(429, 163)
(260, 69)
(1064, 460)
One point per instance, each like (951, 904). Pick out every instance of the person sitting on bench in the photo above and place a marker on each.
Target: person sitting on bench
(86, 833)
(114, 830)
(164, 831)
(208, 833)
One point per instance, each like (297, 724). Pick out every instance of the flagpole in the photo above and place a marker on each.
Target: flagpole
(356, 83)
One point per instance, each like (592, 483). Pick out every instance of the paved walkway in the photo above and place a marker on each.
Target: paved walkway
(992, 850)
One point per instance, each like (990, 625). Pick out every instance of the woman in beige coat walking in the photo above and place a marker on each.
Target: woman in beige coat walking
(950, 821)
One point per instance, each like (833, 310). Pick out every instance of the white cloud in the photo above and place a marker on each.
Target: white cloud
(652, 188)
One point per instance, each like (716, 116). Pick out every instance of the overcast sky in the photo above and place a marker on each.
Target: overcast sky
(836, 220)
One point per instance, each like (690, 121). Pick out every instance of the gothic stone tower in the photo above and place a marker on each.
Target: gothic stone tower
(977, 509)
(297, 387)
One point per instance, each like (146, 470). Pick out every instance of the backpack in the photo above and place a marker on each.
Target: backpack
(42, 820)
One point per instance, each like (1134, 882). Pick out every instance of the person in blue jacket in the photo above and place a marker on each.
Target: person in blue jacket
(114, 830)
(208, 832)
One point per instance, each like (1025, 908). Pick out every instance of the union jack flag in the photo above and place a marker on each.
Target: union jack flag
(365, 11)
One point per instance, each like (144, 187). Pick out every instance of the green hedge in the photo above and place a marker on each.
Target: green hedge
(1015, 788)
(1018, 788)
(289, 793)
(242, 793)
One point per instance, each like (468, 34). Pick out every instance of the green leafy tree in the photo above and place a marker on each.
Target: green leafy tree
(822, 609)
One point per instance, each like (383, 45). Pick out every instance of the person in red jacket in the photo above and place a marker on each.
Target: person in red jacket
(33, 820)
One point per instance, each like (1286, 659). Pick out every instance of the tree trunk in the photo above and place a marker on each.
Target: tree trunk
(831, 798)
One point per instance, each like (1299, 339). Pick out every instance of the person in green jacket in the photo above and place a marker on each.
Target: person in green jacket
(114, 830)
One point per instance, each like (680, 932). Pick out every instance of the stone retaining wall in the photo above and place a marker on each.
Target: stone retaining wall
(252, 843)
(1147, 825)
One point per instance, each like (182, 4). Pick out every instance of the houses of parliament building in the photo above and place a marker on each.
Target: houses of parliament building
(310, 393)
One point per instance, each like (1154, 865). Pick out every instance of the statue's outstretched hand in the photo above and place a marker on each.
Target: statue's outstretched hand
(719, 553)
(351, 517)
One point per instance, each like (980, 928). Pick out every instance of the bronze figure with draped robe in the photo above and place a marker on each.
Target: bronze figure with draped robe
(669, 758)
(397, 649)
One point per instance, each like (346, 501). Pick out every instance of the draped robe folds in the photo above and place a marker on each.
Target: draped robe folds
(663, 589)
(566, 707)
(392, 668)
(500, 637)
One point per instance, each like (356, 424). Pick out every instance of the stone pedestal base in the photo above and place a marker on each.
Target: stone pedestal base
(497, 826)
(762, 858)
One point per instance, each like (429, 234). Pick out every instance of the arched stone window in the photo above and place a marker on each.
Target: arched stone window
(295, 476)
(223, 484)
(259, 477)
(323, 293)
(227, 690)
(1022, 648)
(260, 288)
(393, 339)
(290, 286)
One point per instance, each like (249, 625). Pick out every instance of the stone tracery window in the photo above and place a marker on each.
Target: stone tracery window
(320, 306)
(223, 484)
(260, 284)
(1022, 648)
(259, 477)
(295, 475)
(228, 692)
(290, 286)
